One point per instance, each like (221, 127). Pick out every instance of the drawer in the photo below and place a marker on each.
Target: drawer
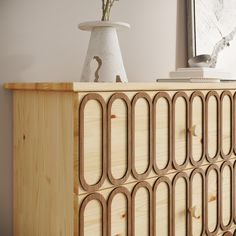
(186, 203)
(131, 136)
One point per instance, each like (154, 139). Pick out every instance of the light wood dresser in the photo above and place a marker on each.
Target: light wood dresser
(143, 159)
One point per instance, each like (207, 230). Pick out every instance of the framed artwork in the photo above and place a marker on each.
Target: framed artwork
(212, 30)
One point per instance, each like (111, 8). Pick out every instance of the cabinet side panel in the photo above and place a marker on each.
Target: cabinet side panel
(43, 163)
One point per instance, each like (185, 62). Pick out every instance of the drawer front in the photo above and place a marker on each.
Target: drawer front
(193, 202)
(127, 137)
(156, 163)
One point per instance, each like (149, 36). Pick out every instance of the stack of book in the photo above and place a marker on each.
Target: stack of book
(198, 75)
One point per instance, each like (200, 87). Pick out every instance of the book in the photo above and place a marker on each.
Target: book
(201, 73)
(188, 80)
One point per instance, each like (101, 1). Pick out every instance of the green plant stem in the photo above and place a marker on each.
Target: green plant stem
(106, 6)
(103, 6)
(105, 16)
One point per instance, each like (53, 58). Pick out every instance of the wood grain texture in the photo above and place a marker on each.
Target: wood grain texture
(226, 188)
(162, 133)
(226, 119)
(119, 138)
(142, 151)
(212, 199)
(105, 87)
(76, 161)
(43, 163)
(197, 199)
(161, 141)
(75, 143)
(180, 134)
(197, 120)
(172, 198)
(212, 122)
(92, 142)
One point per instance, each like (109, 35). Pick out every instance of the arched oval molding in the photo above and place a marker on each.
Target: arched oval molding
(84, 184)
(127, 102)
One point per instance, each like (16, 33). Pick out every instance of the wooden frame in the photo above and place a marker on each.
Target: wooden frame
(191, 187)
(124, 98)
(142, 176)
(186, 99)
(223, 226)
(167, 181)
(100, 100)
(127, 194)
(226, 156)
(98, 197)
(147, 186)
(168, 166)
(191, 108)
(217, 97)
(184, 176)
(215, 168)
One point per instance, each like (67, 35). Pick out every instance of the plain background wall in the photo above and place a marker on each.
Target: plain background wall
(40, 41)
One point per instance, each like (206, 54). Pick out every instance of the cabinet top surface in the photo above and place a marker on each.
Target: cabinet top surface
(87, 87)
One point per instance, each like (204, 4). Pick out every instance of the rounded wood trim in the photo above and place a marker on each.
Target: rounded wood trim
(229, 94)
(215, 168)
(215, 158)
(192, 175)
(176, 178)
(165, 96)
(234, 122)
(101, 200)
(149, 189)
(201, 96)
(167, 181)
(124, 98)
(234, 191)
(126, 193)
(228, 233)
(226, 163)
(150, 129)
(175, 164)
(84, 184)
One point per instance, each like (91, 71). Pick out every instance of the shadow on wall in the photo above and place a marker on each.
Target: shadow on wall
(181, 34)
(12, 69)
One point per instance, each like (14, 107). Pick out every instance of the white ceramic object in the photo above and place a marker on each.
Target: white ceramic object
(200, 61)
(104, 61)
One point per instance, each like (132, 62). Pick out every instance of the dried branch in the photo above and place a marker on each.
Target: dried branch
(224, 42)
(106, 6)
(105, 16)
(103, 5)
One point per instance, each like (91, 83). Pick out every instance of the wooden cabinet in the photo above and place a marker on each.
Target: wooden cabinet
(124, 159)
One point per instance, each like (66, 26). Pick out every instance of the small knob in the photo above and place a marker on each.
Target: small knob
(194, 212)
(194, 130)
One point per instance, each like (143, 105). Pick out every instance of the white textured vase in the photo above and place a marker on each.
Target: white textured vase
(104, 61)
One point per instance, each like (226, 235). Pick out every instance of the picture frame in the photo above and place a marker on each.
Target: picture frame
(191, 28)
(209, 22)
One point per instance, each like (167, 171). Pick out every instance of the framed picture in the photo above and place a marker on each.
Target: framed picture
(212, 29)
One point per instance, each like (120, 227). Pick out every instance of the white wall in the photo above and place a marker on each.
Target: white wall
(39, 41)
